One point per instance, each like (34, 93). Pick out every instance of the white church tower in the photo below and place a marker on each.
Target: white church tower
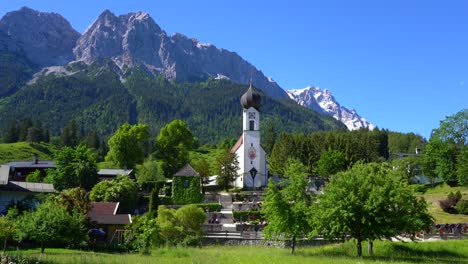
(252, 157)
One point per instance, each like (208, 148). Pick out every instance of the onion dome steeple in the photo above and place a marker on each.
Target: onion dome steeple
(251, 99)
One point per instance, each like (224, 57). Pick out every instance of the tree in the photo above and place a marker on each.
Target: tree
(149, 174)
(409, 166)
(34, 135)
(76, 167)
(227, 166)
(69, 136)
(11, 133)
(35, 176)
(270, 137)
(153, 203)
(286, 209)
(121, 189)
(440, 160)
(462, 166)
(75, 200)
(203, 169)
(330, 163)
(453, 129)
(173, 144)
(8, 226)
(368, 202)
(126, 146)
(182, 226)
(51, 223)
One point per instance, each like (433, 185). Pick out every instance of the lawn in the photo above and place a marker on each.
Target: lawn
(21, 151)
(394, 252)
(440, 192)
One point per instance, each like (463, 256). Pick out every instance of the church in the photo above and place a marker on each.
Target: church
(253, 171)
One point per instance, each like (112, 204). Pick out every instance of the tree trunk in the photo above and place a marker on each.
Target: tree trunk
(293, 245)
(42, 247)
(359, 248)
(370, 247)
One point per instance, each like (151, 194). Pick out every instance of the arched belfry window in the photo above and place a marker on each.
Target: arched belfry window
(251, 125)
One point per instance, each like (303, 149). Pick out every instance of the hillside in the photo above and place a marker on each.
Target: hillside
(24, 151)
(97, 99)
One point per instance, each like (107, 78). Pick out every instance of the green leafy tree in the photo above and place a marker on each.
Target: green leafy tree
(8, 226)
(270, 137)
(182, 226)
(227, 166)
(462, 166)
(153, 203)
(368, 202)
(173, 144)
(23, 129)
(286, 209)
(34, 135)
(69, 136)
(11, 134)
(453, 129)
(440, 160)
(76, 167)
(330, 163)
(409, 166)
(121, 189)
(126, 146)
(146, 233)
(75, 200)
(203, 169)
(51, 223)
(149, 174)
(35, 176)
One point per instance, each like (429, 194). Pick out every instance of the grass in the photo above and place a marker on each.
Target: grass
(440, 192)
(394, 252)
(22, 151)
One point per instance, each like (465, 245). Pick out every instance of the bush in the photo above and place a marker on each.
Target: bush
(448, 205)
(246, 215)
(462, 207)
(209, 207)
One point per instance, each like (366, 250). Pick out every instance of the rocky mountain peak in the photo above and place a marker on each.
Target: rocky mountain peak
(323, 101)
(47, 38)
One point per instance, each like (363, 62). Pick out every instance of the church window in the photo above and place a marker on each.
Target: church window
(251, 125)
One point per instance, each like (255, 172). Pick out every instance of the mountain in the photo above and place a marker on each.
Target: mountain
(46, 38)
(96, 99)
(323, 101)
(135, 39)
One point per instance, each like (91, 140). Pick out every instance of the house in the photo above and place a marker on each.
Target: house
(14, 191)
(110, 174)
(104, 215)
(19, 170)
(186, 187)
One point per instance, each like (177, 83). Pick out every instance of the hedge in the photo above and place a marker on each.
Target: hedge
(186, 190)
(243, 215)
(209, 207)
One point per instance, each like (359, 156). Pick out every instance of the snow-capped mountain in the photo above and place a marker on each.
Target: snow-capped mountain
(323, 101)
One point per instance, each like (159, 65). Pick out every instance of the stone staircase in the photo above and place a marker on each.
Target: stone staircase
(225, 199)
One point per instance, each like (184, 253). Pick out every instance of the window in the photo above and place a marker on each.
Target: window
(251, 125)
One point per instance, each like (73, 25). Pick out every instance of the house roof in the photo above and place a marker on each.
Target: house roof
(15, 186)
(114, 172)
(187, 170)
(103, 208)
(42, 164)
(118, 219)
(239, 143)
(4, 172)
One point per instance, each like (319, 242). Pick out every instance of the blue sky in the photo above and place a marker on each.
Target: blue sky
(403, 65)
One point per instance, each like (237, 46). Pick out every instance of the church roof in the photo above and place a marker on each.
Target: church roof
(251, 99)
(239, 143)
(187, 170)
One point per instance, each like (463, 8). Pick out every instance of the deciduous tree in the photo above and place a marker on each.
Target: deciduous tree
(121, 189)
(227, 166)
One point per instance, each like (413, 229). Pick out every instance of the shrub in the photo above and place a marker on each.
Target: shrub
(246, 215)
(462, 207)
(448, 205)
(209, 207)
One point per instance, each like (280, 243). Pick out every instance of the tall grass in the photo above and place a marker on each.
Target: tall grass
(385, 252)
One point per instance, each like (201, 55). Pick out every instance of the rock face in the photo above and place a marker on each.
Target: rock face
(324, 102)
(135, 39)
(47, 38)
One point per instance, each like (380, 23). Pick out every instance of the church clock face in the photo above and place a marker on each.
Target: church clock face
(252, 153)
(252, 115)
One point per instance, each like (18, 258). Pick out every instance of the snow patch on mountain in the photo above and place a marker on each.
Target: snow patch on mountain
(322, 101)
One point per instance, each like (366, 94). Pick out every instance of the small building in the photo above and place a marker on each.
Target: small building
(19, 170)
(104, 215)
(110, 174)
(14, 191)
(186, 187)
